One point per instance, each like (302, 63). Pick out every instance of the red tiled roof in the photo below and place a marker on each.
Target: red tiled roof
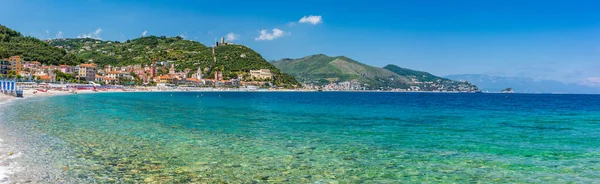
(192, 79)
(88, 65)
(164, 77)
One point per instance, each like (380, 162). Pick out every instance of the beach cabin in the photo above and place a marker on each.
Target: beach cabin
(9, 87)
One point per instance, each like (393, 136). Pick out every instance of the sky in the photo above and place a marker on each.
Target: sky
(556, 40)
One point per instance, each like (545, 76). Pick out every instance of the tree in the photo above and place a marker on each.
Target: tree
(71, 59)
(60, 75)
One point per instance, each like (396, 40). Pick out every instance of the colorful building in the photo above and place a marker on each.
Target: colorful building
(66, 69)
(16, 63)
(4, 66)
(47, 78)
(261, 74)
(86, 72)
(33, 65)
(165, 79)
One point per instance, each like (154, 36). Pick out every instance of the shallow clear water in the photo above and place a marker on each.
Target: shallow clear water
(318, 137)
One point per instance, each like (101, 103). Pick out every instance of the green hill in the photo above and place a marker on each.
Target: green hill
(321, 70)
(427, 79)
(13, 43)
(231, 59)
(414, 74)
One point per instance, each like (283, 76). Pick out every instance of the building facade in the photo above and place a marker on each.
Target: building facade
(66, 69)
(4, 66)
(86, 72)
(16, 63)
(261, 74)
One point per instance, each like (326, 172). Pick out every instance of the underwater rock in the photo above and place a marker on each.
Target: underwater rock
(262, 177)
(310, 147)
(350, 158)
(278, 179)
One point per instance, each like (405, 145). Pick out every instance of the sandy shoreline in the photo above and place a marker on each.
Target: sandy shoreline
(7, 164)
(9, 154)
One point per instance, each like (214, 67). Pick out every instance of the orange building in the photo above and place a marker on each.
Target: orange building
(87, 72)
(16, 63)
(47, 78)
(165, 79)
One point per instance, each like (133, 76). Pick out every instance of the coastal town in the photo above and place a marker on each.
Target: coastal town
(149, 73)
(16, 67)
(158, 74)
(163, 75)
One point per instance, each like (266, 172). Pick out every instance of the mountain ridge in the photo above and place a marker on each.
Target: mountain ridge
(320, 70)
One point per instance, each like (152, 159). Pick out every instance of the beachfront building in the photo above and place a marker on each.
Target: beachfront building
(193, 82)
(4, 66)
(66, 69)
(99, 79)
(86, 72)
(261, 74)
(165, 79)
(108, 80)
(117, 75)
(47, 78)
(16, 63)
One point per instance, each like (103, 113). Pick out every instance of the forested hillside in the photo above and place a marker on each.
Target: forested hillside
(231, 59)
(322, 70)
(13, 43)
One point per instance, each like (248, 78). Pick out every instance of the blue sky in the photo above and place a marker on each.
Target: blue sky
(557, 40)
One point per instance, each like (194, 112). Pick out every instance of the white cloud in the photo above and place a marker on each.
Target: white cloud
(47, 33)
(231, 37)
(265, 35)
(144, 33)
(591, 81)
(59, 34)
(94, 35)
(311, 19)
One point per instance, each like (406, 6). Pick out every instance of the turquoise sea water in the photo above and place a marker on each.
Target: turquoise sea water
(315, 137)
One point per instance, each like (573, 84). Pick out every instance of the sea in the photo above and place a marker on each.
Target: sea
(305, 137)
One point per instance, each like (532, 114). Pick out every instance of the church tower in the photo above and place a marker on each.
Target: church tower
(172, 69)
